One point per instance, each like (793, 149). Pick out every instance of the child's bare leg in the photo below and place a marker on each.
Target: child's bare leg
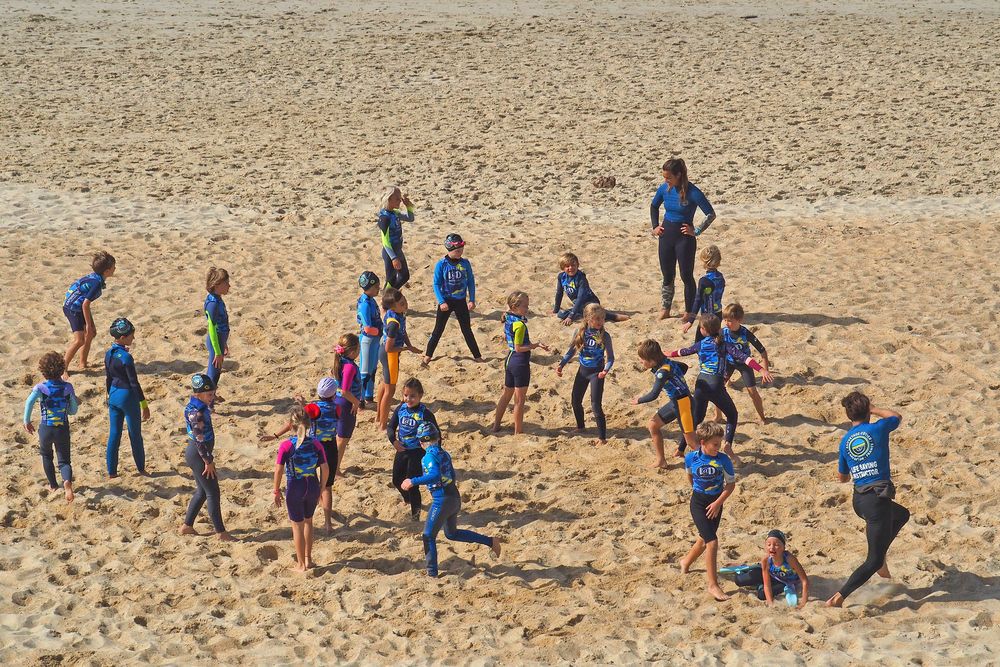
(385, 405)
(758, 403)
(326, 498)
(697, 549)
(85, 351)
(718, 416)
(502, 406)
(520, 395)
(342, 450)
(73, 347)
(307, 537)
(712, 570)
(659, 460)
(298, 537)
(692, 443)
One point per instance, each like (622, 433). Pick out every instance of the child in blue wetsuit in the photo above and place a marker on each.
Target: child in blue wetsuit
(390, 228)
(708, 298)
(668, 378)
(785, 573)
(402, 432)
(126, 400)
(573, 282)
(58, 401)
(76, 307)
(439, 476)
(200, 457)
(370, 333)
(394, 341)
(217, 337)
(713, 480)
(517, 365)
(455, 290)
(597, 356)
(736, 334)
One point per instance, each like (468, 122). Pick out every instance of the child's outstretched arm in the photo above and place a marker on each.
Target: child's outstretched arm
(566, 358)
(659, 381)
(742, 358)
(799, 570)
(753, 340)
(684, 351)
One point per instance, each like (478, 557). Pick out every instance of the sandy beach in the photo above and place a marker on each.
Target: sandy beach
(849, 150)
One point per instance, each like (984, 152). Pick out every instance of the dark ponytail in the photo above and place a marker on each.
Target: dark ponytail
(713, 329)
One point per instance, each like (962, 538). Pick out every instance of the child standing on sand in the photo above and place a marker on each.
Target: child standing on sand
(369, 334)
(669, 378)
(76, 307)
(517, 366)
(738, 335)
(597, 356)
(402, 432)
(390, 228)
(348, 400)
(126, 400)
(455, 289)
(58, 403)
(394, 341)
(304, 462)
(217, 337)
(708, 297)
(712, 480)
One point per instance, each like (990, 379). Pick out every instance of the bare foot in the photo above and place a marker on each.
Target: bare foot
(518, 431)
(658, 463)
(479, 360)
(187, 530)
(310, 564)
(300, 567)
(763, 421)
(678, 454)
(599, 442)
(837, 600)
(496, 427)
(226, 537)
(717, 593)
(685, 565)
(426, 361)
(69, 492)
(496, 547)
(884, 571)
(665, 313)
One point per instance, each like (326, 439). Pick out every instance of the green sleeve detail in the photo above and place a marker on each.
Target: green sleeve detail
(519, 333)
(213, 334)
(144, 405)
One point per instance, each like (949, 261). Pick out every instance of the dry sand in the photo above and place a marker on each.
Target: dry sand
(850, 151)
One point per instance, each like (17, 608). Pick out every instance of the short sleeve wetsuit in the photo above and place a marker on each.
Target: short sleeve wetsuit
(517, 365)
(302, 464)
(742, 339)
(86, 289)
(395, 331)
(709, 475)
(668, 378)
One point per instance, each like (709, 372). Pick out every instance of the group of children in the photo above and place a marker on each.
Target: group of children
(311, 458)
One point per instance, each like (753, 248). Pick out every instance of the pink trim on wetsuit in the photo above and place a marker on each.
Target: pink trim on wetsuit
(347, 373)
(285, 450)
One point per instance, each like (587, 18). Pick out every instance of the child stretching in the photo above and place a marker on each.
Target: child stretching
(710, 386)
(785, 573)
(217, 338)
(572, 282)
(126, 400)
(200, 457)
(370, 333)
(453, 284)
(517, 366)
(306, 470)
(597, 356)
(738, 335)
(394, 341)
(708, 298)
(390, 227)
(345, 370)
(669, 378)
(76, 307)
(439, 476)
(58, 403)
(712, 481)
(402, 432)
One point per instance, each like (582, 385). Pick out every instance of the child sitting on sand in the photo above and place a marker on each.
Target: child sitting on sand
(572, 282)
(785, 573)
(58, 403)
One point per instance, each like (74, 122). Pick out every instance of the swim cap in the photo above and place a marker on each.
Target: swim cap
(312, 411)
(367, 279)
(327, 388)
(121, 327)
(427, 432)
(777, 534)
(201, 382)
(453, 241)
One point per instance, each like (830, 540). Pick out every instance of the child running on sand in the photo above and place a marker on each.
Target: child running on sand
(217, 337)
(597, 356)
(390, 227)
(369, 334)
(785, 573)
(402, 432)
(304, 462)
(710, 386)
(712, 479)
(573, 282)
(58, 401)
(126, 400)
(736, 334)
(669, 378)
(76, 307)
(394, 341)
(200, 457)
(439, 476)
(517, 366)
(455, 289)
(708, 297)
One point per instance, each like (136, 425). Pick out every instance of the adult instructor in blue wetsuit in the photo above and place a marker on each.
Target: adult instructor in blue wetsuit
(677, 232)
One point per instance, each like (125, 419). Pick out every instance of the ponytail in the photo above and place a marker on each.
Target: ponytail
(346, 343)
(713, 329)
(301, 423)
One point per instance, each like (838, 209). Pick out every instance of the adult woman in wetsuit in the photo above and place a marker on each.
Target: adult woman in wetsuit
(677, 232)
(864, 458)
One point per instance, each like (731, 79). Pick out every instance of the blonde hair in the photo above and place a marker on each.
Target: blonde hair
(215, 278)
(707, 430)
(568, 258)
(733, 311)
(300, 422)
(515, 298)
(591, 311)
(711, 257)
(386, 195)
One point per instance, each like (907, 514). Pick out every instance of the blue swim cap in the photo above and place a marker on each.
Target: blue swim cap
(201, 382)
(121, 327)
(367, 279)
(427, 432)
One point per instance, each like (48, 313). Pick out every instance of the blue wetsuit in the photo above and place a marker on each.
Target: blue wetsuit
(199, 453)
(217, 337)
(709, 475)
(88, 288)
(517, 366)
(125, 402)
(742, 339)
(708, 298)
(324, 428)
(369, 315)
(710, 387)
(58, 401)
(577, 289)
(596, 355)
(676, 247)
(391, 231)
(668, 377)
(454, 285)
(402, 426)
(439, 476)
(782, 577)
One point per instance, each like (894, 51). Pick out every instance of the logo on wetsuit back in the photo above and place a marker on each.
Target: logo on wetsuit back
(860, 446)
